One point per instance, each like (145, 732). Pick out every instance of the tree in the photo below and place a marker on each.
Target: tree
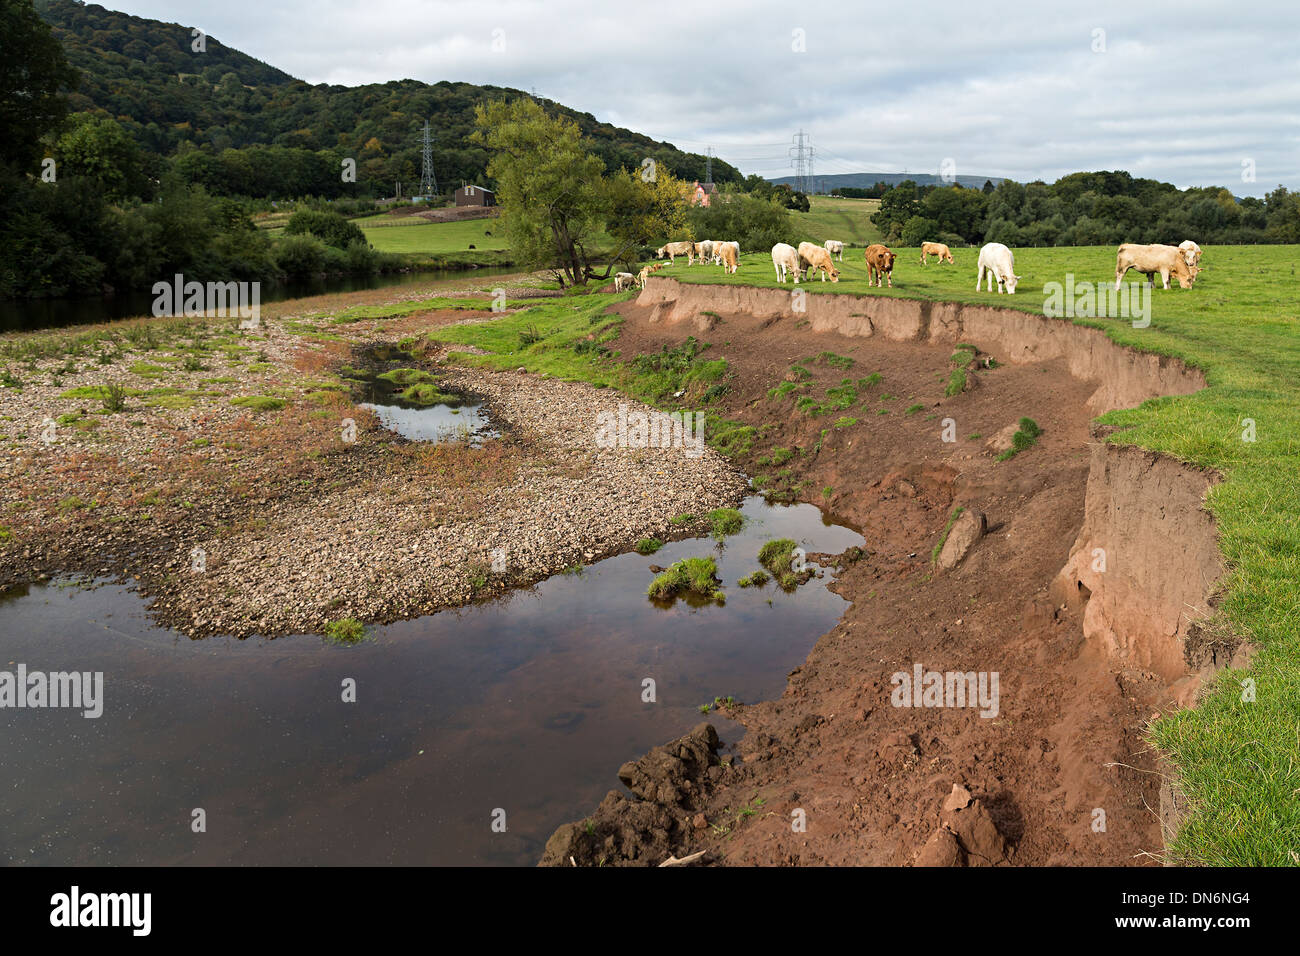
(33, 76)
(99, 149)
(918, 229)
(550, 188)
(640, 210)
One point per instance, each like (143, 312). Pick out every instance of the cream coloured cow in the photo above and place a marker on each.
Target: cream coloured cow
(785, 259)
(929, 249)
(730, 259)
(1165, 260)
(623, 280)
(815, 258)
(835, 248)
(997, 260)
(674, 249)
(704, 251)
(1191, 252)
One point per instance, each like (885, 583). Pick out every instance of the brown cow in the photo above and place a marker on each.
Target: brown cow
(880, 264)
(929, 249)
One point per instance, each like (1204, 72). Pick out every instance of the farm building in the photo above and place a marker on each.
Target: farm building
(702, 193)
(475, 196)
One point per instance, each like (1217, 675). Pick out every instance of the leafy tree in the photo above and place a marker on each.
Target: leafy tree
(33, 75)
(99, 149)
(640, 210)
(919, 229)
(550, 188)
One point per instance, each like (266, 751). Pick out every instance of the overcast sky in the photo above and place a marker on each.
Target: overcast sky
(1190, 93)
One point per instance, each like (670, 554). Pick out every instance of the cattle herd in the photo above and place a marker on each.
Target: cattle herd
(996, 262)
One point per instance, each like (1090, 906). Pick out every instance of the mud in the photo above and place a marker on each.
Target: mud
(834, 772)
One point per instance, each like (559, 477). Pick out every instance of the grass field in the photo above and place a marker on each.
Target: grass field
(415, 235)
(1239, 760)
(848, 220)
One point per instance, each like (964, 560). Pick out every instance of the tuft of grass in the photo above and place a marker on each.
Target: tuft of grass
(693, 575)
(956, 383)
(1026, 436)
(258, 403)
(648, 545)
(755, 580)
(346, 631)
(913, 409)
(725, 521)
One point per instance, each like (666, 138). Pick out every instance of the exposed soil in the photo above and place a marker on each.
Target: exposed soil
(876, 783)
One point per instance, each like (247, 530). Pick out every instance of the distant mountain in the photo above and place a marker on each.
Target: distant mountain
(145, 75)
(867, 180)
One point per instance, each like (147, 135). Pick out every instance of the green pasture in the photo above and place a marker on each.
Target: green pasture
(848, 220)
(1238, 758)
(422, 236)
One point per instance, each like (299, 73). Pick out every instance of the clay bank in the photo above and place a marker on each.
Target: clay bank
(1080, 571)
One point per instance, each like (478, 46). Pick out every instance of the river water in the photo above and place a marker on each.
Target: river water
(20, 315)
(528, 704)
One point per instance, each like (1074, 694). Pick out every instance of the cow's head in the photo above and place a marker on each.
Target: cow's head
(889, 261)
(835, 274)
(1011, 283)
(659, 253)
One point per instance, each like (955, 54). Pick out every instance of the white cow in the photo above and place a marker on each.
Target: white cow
(785, 259)
(623, 280)
(1001, 265)
(835, 248)
(1191, 252)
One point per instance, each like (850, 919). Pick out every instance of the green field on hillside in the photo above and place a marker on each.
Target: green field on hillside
(415, 235)
(848, 220)
(1238, 760)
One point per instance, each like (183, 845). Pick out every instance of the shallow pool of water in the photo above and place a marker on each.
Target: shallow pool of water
(466, 423)
(527, 705)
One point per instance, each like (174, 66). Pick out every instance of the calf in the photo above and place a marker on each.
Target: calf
(929, 249)
(880, 265)
(1149, 260)
(997, 260)
(785, 259)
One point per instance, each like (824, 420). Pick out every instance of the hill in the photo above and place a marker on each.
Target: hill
(145, 74)
(867, 180)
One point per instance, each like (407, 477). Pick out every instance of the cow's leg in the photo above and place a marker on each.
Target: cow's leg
(890, 276)
(1164, 277)
(1119, 277)
(979, 278)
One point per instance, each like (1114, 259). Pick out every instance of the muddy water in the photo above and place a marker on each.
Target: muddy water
(528, 705)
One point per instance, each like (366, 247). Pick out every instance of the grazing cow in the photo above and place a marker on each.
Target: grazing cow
(880, 265)
(623, 280)
(704, 250)
(929, 249)
(674, 249)
(997, 260)
(1191, 252)
(815, 258)
(643, 275)
(730, 258)
(785, 259)
(1166, 260)
(835, 248)
(717, 250)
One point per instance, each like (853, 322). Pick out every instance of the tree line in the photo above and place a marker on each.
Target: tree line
(1084, 209)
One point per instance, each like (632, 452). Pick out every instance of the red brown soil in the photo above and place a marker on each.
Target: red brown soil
(872, 778)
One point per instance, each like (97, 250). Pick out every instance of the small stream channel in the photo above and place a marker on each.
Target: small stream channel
(527, 704)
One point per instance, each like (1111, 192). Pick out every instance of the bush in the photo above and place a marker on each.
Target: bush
(329, 227)
(300, 256)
